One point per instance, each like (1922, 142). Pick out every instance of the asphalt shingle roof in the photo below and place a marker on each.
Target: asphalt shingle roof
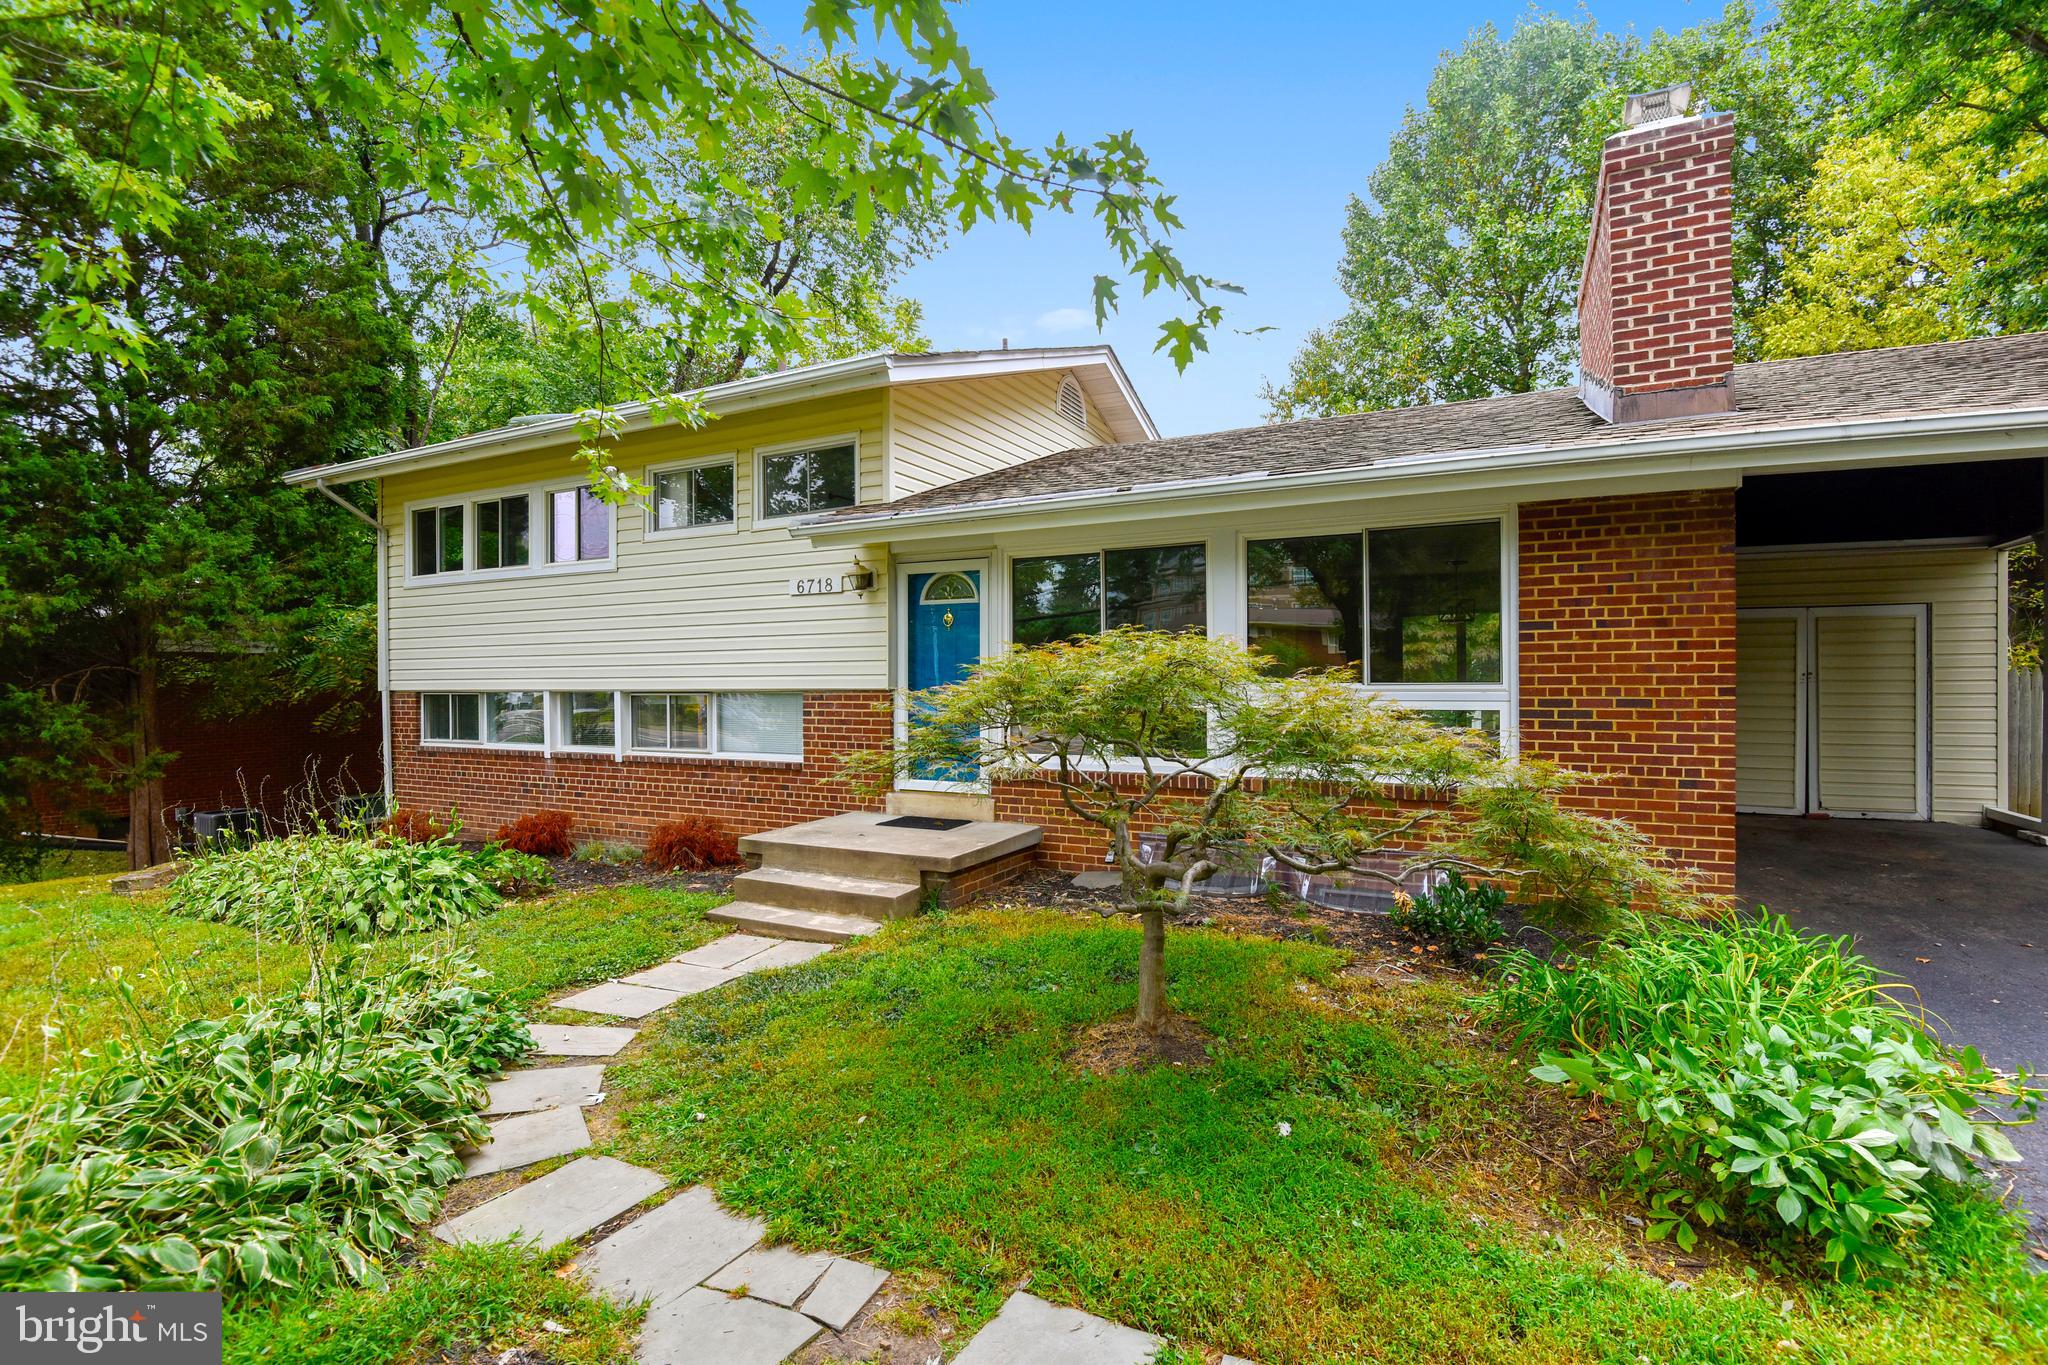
(1906, 381)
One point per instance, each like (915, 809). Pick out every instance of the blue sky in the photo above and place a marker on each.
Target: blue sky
(1263, 118)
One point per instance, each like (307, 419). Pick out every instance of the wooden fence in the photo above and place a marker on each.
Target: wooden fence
(2023, 711)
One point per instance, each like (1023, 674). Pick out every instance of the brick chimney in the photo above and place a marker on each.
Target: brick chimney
(1656, 311)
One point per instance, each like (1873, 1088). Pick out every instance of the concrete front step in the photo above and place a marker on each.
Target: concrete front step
(832, 892)
(864, 845)
(780, 921)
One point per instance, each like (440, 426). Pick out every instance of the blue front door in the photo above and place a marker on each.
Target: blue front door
(945, 642)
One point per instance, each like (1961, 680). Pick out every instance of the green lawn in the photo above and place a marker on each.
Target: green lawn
(909, 1100)
(62, 945)
(71, 862)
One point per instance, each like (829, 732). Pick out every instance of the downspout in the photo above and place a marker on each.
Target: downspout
(383, 635)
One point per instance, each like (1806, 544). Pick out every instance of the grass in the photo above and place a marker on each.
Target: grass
(70, 862)
(61, 944)
(457, 1302)
(909, 1100)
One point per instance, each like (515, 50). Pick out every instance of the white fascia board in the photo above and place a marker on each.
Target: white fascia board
(825, 380)
(1709, 459)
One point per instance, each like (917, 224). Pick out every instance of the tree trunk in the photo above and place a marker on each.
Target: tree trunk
(1152, 970)
(149, 843)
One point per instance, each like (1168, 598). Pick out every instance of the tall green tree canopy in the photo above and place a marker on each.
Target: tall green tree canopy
(1461, 263)
(247, 235)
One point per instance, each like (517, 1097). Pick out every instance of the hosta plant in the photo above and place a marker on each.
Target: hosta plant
(1765, 1074)
(286, 1146)
(327, 885)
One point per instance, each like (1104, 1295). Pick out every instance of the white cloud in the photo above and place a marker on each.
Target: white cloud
(1065, 320)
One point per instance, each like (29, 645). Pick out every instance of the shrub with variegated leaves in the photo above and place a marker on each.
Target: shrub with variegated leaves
(288, 1145)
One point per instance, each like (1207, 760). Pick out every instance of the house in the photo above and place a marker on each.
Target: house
(1771, 587)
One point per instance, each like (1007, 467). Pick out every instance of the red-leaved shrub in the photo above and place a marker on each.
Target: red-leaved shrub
(690, 843)
(544, 834)
(414, 826)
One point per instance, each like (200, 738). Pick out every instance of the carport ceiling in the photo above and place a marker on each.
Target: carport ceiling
(1992, 501)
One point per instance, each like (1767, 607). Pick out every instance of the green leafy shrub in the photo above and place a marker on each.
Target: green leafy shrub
(327, 885)
(289, 1145)
(1765, 1073)
(1460, 914)
(606, 852)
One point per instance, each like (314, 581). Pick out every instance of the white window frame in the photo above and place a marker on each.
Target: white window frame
(483, 720)
(538, 530)
(712, 753)
(547, 533)
(759, 454)
(559, 703)
(653, 530)
(474, 534)
(1453, 696)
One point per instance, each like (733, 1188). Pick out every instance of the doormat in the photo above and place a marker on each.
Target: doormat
(922, 822)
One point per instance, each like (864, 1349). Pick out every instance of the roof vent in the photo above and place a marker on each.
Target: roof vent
(534, 419)
(1071, 404)
(1673, 101)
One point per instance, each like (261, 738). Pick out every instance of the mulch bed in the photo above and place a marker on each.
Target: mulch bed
(571, 875)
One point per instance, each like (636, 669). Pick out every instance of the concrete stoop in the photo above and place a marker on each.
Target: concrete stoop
(835, 879)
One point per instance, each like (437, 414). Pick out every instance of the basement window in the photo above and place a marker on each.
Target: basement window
(727, 724)
(516, 719)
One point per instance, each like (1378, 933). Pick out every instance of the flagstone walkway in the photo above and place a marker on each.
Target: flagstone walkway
(715, 1295)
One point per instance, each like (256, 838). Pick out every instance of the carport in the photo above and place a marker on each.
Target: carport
(1959, 913)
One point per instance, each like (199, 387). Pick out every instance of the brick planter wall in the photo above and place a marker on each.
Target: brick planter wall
(1628, 661)
(616, 799)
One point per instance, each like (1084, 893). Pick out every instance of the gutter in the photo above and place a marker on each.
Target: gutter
(1703, 452)
(383, 620)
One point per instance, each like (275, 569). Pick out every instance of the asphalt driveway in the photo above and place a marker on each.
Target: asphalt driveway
(1960, 913)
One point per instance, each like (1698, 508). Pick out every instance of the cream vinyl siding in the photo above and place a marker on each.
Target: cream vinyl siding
(1961, 589)
(954, 429)
(1767, 755)
(1866, 714)
(708, 609)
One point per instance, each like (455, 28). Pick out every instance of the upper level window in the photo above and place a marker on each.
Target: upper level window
(1061, 597)
(501, 532)
(796, 482)
(437, 540)
(1413, 605)
(701, 495)
(579, 526)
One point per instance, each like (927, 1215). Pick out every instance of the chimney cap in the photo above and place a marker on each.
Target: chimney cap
(1673, 101)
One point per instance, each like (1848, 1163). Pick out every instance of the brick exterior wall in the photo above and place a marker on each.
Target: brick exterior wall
(1656, 307)
(616, 799)
(1627, 659)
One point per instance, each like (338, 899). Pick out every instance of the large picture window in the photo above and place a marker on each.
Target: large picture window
(797, 482)
(1414, 611)
(1436, 599)
(1063, 597)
